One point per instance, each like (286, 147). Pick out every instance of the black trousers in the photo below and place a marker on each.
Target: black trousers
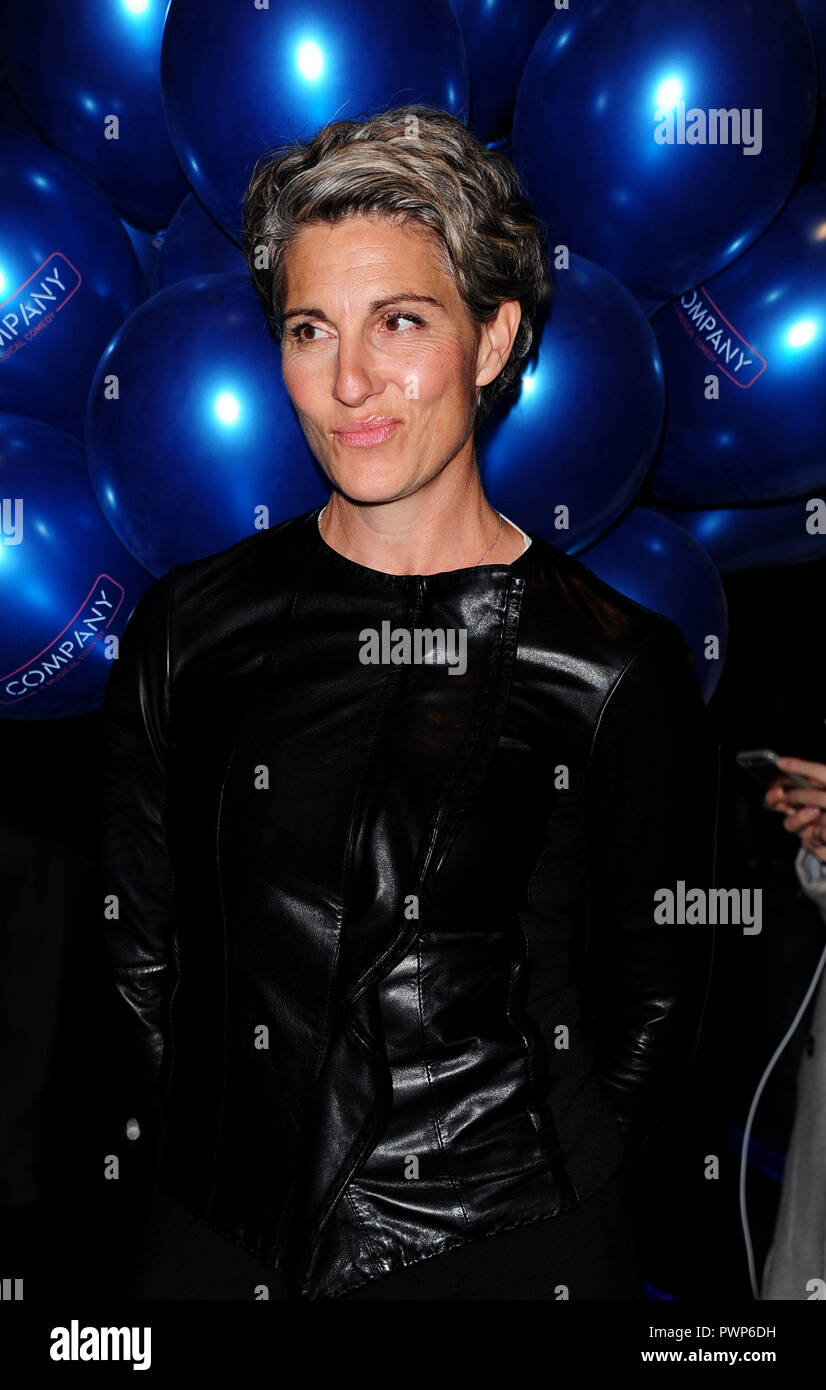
(590, 1251)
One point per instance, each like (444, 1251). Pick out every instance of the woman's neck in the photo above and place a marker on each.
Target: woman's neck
(440, 543)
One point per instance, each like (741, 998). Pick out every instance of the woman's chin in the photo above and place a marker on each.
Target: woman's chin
(366, 491)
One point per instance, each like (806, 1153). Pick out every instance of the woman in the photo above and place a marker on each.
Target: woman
(390, 790)
(796, 1263)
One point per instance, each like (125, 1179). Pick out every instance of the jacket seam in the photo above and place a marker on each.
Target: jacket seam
(168, 678)
(480, 738)
(436, 1122)
(604, 706)
(537, 866)
(647, 641)
(479, 741)
(376, 1254)
(473, 1240)
(394, 681)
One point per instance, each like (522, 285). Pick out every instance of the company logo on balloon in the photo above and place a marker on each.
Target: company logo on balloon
(35, 303)
(70, 646)
(717, 338)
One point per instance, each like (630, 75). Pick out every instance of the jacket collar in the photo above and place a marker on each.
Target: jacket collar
(474, 577)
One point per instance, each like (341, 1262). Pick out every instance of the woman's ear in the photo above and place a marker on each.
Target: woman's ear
(496, 341)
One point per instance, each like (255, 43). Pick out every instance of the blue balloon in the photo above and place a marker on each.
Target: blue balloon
(12, 114)
(237, 79)
(145, 246)
(498, 38)
(814, 13)
(583, 431)
(193, 244)
(68, 277)
(201, 435)
(619, 140)
(66, 582)
(655, 562)
(503, 146)
(742, 538)
(814, 169)
(759, 330)
(75, 64)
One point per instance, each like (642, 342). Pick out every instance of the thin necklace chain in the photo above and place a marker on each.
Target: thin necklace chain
(478, 562)
(496, 537)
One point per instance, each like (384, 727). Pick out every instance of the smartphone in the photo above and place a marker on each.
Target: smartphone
(762, 764)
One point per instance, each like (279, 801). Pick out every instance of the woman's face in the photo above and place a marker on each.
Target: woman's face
(374, 329)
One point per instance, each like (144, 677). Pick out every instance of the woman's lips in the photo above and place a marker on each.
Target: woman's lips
(369, 433)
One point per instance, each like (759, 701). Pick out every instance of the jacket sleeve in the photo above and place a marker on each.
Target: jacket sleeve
(651, 813)
(136, 875)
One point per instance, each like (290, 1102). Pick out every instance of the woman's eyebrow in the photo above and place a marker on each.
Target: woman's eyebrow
(372, 307)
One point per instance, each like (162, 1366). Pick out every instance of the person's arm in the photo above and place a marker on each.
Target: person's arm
(811, 875)
(651, 816)
(804, 814)
(136, 875)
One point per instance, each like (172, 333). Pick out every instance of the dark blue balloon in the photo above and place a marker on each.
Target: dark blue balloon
(741, 538)
(611, 97)
(658, 564)
(498, 38)
(814, 13)
(66, 582)
(12, 114)
(814, 170)
(583, 431)
(77, 63)
(68, 278)
(202, 435)
(503, 146)
(145, 245)
(759, 328)
(238, 79)
(193, 244)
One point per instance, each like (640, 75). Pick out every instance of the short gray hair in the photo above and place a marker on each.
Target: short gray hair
(412, 164)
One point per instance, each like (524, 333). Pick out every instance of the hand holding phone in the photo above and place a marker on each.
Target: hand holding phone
(797, 791)
(762, 763)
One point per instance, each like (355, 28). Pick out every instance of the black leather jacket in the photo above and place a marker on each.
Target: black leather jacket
(386, 932)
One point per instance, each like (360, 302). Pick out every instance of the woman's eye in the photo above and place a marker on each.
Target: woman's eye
(411, 318)
(297, 331)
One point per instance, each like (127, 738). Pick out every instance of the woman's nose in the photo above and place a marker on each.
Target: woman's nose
(355, 374)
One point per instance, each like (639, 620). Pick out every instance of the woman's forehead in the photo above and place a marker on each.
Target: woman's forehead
(376, 256)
